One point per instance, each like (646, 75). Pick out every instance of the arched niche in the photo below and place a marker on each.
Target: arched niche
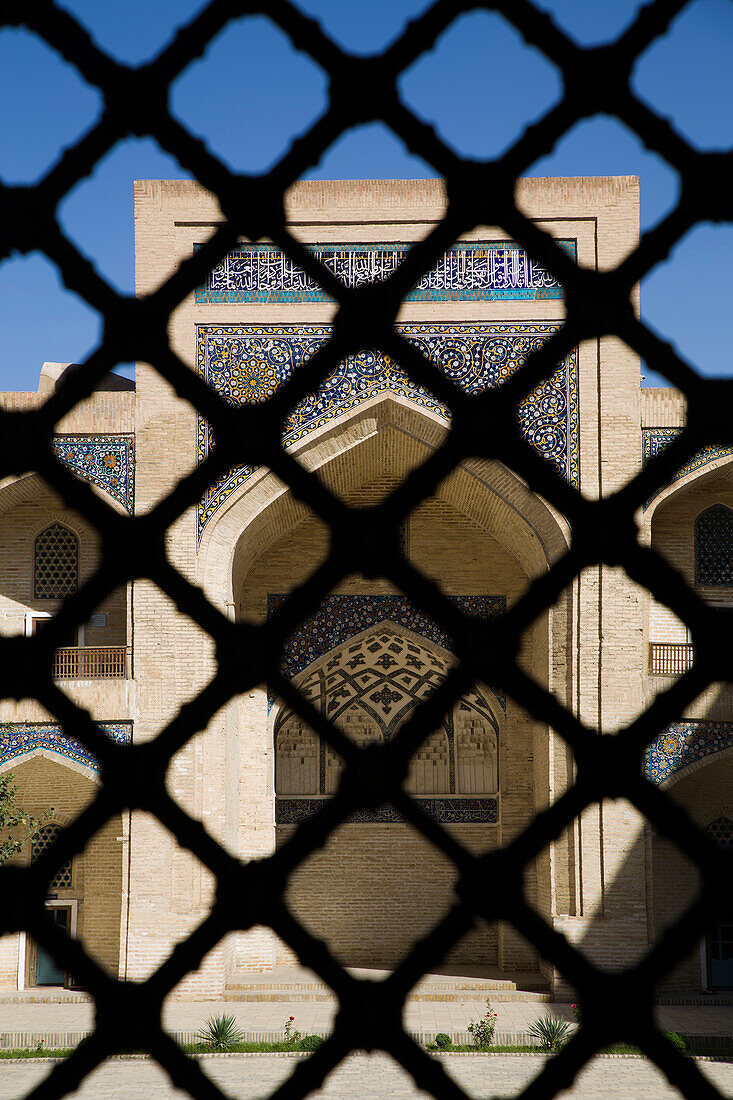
(375, 445)
(368, 687)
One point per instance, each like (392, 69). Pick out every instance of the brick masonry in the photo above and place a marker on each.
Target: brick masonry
(374, 888)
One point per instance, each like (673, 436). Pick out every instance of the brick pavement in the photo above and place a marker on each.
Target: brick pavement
(369, 1077)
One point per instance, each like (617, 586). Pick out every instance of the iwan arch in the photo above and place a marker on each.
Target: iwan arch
(367, 656)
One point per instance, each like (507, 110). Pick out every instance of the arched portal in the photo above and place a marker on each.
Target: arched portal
(377, 885)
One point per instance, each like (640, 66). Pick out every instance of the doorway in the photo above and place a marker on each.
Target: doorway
(48, 972)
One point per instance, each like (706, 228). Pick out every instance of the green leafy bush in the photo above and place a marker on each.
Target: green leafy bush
(678, 1041)
(551, 1032)
(220, 1033)
(443, 1041)
(311, 1042)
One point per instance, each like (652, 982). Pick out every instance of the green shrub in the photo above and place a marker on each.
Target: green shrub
(551, 1032)
(678, 1041)
(220, 1033)
(311, 1042)
(443, 1041)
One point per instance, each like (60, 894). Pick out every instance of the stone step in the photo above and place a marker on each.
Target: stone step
(456, 991)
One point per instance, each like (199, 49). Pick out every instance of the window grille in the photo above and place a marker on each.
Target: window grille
(43, 840)
(714, 547)
(596, 80)
(55, 563)
(721, 832)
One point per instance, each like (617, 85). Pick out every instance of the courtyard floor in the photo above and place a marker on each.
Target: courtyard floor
(368, 1077)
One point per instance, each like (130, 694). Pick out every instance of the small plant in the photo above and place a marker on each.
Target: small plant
(678, 1041)
(443, 1041)
(311, 1042)
(482, 1031)
(220, 1033)
(292, 1035)
(576, 1013)
(551, 1031)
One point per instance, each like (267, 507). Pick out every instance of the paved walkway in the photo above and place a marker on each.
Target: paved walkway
(370, 1077)
(268, 1017)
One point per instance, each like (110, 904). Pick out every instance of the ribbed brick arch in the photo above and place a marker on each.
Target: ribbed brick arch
(377, 442)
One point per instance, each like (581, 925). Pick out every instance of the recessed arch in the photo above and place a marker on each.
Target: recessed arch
(388, 434)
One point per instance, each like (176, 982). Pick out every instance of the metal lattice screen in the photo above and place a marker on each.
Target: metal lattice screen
(365, 540)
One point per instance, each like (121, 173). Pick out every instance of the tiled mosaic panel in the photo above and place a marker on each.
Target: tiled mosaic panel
(448, 811)
(106, 460)
(684, 743)
(470, 270)
(342, 617)
(19, 738)
(246, 364)
(656, 439)
(714, 547)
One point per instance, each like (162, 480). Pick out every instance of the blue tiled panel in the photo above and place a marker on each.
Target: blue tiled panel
(106, 460)
(684, 743)
(469, 271)
(448, 811)
(342, 617)
(656, 439)
(19, 738)
(246, 364)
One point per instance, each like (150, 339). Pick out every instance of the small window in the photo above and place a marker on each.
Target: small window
(714, 547)
(43, 839)
(56, 563)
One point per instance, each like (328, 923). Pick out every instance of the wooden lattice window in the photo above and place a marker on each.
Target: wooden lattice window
(55, 562)
(43, 839)
(714, 547)
(721, 832)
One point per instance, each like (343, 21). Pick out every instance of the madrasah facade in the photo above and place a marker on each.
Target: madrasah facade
(605, 649)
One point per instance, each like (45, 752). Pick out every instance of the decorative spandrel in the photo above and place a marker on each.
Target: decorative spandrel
(17, 739)
(106, 460)
(245, 364)
(656, 439)
(684, 743)
(469, 271)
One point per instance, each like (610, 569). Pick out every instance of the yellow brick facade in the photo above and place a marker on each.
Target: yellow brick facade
(608, 883)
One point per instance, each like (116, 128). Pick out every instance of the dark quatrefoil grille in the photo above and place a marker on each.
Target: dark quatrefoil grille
(596, 80)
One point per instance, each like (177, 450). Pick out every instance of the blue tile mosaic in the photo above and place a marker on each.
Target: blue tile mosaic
(448, 811)
(684, 743)
(19, 738)
(342, 617)
(656, 439)
(469, 271)
(106, 460)
(245, 364)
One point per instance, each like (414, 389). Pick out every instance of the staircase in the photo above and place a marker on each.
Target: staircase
(291, 985)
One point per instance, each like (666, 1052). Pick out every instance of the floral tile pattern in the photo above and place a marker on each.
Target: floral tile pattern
(246, 364)
(106, 460)
(19, 738)
(684, 743)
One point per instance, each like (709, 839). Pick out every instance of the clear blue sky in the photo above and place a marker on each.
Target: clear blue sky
(252, 93)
